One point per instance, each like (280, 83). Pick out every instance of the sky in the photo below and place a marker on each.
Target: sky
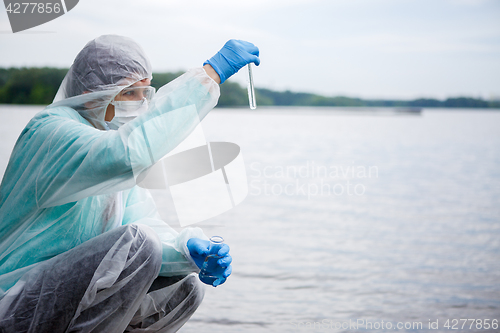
(397, 49)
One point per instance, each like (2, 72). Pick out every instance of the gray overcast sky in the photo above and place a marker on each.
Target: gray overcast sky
(361, 48)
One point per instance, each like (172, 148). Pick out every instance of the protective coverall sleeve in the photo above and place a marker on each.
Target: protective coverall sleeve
(176, 260)
(80, 161)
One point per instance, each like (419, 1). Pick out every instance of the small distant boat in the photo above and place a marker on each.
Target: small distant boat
(411, 110)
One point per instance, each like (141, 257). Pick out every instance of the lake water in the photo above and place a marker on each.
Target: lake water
(358, 218)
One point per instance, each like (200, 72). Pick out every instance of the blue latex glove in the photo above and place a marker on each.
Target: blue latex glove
(198, 248)
(232, 57)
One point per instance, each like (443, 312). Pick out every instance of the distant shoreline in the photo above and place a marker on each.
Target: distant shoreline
(38, 85)
(312, 109)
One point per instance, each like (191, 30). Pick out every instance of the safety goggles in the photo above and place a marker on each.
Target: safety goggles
(136, 94)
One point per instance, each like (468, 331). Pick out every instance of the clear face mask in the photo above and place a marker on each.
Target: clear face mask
(133, 102)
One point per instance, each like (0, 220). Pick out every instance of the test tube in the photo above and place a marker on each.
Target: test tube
(251, 91)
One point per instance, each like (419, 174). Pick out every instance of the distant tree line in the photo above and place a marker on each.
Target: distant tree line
(39, 86)
(29, 85)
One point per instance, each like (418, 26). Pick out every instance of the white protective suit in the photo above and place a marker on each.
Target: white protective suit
(69, 198)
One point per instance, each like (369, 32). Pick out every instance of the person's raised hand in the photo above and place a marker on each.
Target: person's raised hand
(232, 57)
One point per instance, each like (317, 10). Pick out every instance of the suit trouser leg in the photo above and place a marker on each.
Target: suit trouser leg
(95, 287)
(168, 305)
